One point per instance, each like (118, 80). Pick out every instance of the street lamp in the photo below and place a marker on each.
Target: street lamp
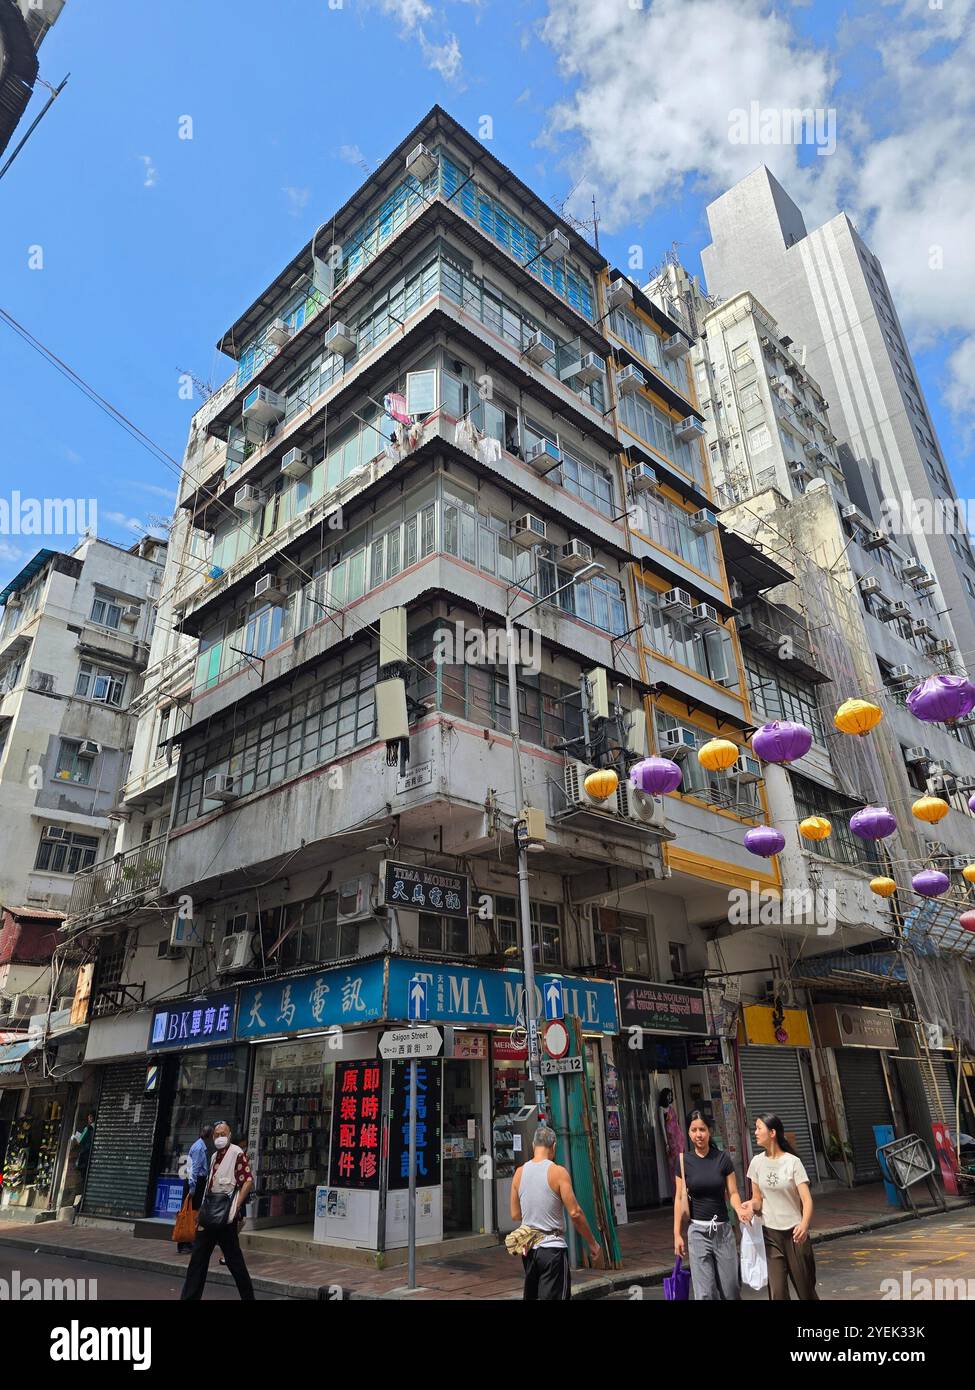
(524, 904)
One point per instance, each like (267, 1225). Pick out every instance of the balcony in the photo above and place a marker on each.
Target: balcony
(781, 635)
(121, 879)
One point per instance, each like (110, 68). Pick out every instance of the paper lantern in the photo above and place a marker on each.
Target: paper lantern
(967, 920)
(873, 823)
(883, 887)
(764, 840)
(782, 741)
(857, 717)
(718, 754)
(939, 699)
(601, 784)
(968, 873)
(815, 828)
(930, 883)
(971, 803)
(656, 776)
(930, 809)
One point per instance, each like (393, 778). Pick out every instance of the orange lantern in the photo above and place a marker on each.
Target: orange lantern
(883, 887)
(601, 784)
(857, 717)
(815, 828)
(930, 809)
(968, 873)
(718, 754)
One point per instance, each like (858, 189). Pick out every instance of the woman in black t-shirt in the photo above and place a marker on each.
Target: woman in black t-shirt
(706, 1182)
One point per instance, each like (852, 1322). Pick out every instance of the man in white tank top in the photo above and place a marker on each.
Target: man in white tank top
(541, 1192)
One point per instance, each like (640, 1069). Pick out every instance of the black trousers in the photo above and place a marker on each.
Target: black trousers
(547, 1276)
(203, 1247)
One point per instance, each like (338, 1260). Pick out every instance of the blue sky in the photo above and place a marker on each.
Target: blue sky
(151, 244)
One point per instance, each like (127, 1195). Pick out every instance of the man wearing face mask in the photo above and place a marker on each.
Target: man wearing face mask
(228, 1186)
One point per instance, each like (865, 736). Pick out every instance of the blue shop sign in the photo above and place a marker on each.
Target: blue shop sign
(460, 994)
(193, 1023)
(309, 1003)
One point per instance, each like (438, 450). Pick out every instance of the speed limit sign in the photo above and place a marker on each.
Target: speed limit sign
(556, 1039)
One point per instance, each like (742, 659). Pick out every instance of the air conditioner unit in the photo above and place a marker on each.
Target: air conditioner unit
(689, 428)
(643, 477)
(869, 585)
(554, 245)
(248, 498)
(876, 540)
(575, 790)
(576, 555)
(131, 613)
(899, 609)
(236, 952)
(704, 615)
(676, 601)
(14, 602)
(677, 743)
(941, 648)
(528, 530)
(219, 786)
(635, 805)
(913, 570)
(295, 463)
(900, 673)
(278, 333)
(630, 379)
(917, 754)
(182, 933)
(26, 1005)
(855, 517)
(618, 293)
(676, 347)
(540, 348)
(543, 456)
(798, 469)
(357, 899)
(585, 370)
(704, 521)
(88, 748)
(269, 590)
(420, 163)
(262, 406)
(54, 832)
(340, 340)
(925, 580)
(920, 627)
(747, 769)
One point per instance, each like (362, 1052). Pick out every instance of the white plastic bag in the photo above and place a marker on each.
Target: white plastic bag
(754, 1266)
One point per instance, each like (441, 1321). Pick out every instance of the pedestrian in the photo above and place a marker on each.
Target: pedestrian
(228, 1186)
(199, 1162)
(84, 1138)
(540, 1191)
(780, 1195)
(706, 1175)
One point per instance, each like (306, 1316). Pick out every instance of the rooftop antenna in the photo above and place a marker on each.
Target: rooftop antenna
(588, 227)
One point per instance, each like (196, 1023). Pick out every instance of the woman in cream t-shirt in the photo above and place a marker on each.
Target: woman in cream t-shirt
(780, 1195)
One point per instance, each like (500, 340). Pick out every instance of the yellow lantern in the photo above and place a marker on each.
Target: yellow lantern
(930, 809)
(883, 887)
(601, 784)
(968, 873)
(718, 754)
(815, 828)
(857, 717)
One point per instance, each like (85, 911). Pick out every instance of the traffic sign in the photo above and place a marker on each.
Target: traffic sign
(554, 1000)
(417, 1008)
(561, 1066)
(410, 1042)
(556, 1039)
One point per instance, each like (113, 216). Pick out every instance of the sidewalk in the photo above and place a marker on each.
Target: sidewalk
(647, 1246)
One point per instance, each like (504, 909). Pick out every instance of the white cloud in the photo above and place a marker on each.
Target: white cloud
(351, 154)
(157, 491)
(150, 173)
(297, 199)
(410, 13)
(128, 523)
(11, 554)
(444, 58)
(442, 52)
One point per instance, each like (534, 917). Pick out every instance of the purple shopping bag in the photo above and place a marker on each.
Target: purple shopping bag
(677, 1286)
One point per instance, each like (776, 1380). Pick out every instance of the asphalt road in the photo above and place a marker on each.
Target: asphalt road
(112, 1281)
(911, 1254)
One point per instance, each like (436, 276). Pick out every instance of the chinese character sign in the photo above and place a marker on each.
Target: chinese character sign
(356, 1125)
(193, 1023)
(428, 1073)
(302, 1003)
(426, 890)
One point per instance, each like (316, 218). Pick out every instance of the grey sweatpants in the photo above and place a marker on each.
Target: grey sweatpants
(714, 1263)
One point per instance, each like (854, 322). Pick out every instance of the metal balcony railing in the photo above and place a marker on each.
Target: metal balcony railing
(125, 875)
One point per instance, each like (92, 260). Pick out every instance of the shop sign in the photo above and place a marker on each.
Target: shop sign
(312, 1003)
(193, 1023)
(356, 1125)
(169, 1197)
(661, 1008)
(426, 890)
(493, 998)
(472, 1047)
(427, 1125)
(849, 1025)
(504, 1050)
(763, 1026)
(703, 1051)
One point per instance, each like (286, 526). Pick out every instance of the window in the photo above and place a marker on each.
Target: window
(546, 929)
(306, 933)
(709, 653)
(67, 856)
(106, 613)
(96, 683)
(709, 786)
(842, 845)
(678, 959)
(778, 696)
(622, 942)
(444, 935)
(73, 765)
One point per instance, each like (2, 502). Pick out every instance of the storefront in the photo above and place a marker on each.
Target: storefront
(776, 1076)
(34, 1110)
(860, 1039)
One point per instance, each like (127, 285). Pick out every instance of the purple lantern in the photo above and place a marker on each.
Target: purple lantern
(873, 823)
(930, 883)
(971, 803)
(782, 741)
(655, 776)
(765, 840)
(939, 699)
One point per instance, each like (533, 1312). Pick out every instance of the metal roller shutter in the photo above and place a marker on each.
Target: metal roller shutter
(866, 1104)
(942, 1079)
(121, 1156)
(773, 1081)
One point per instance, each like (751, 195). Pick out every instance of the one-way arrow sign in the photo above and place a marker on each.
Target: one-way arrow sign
(554, 1001)
(417, 1008)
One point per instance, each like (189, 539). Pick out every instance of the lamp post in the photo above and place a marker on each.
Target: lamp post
(524, 903)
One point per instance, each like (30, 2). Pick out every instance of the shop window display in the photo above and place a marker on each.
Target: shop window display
(209, 1088)
(290, 1126)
